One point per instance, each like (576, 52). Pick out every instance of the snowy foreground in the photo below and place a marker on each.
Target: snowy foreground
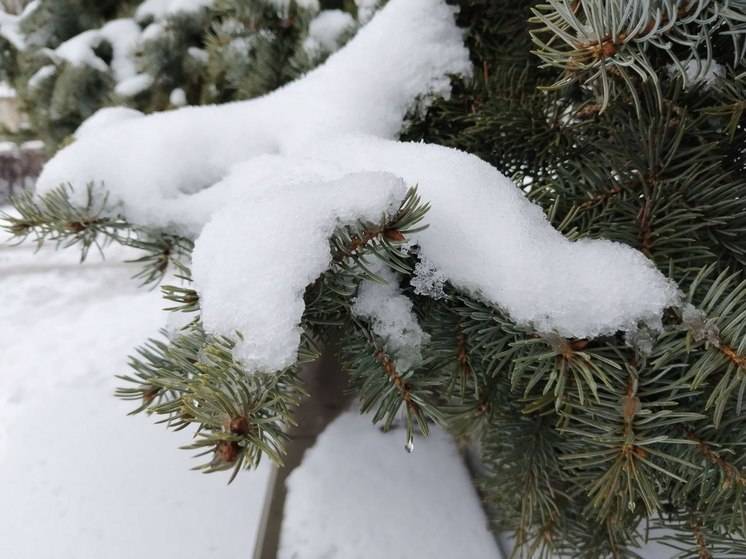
(78, 478)
(81, 480)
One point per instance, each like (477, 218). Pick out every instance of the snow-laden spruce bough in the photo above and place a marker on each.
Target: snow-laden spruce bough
(262, 185)
(294, 200)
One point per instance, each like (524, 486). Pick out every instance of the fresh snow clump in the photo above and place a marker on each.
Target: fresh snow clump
(326, 29)
(392, 319)
(41, 75)
(427, 280)
(283, 248)
(103, 118)
(159, 9)
(134, 85)
(178, 97)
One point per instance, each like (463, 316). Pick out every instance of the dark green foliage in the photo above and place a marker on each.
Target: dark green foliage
(235, 50)
(585, 439)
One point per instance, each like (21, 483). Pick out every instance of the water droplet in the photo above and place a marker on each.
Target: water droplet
(410, 444)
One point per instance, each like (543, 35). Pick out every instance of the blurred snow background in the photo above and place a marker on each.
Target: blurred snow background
(80, 479)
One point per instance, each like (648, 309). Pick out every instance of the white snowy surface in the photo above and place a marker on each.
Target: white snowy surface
(359, 495)
(122, 34)
(326, 29)
(10, 24)
(134, 85)
(41, 75)
(106, 117)
(159, 9)
(281, 269)
(392, 318)
(178, 97)
(206, 171)
(78, 478)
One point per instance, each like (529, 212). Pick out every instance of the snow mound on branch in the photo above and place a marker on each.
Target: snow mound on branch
(392, 318)
(326, 29)
(284, 247)
(10, 25)
(160, 9)
(253, 180)
(122, 34)
(104, 118)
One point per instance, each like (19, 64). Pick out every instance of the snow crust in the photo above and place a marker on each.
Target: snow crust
(358, 495)
(159, 9)
(80, 479)
(122, 34)
(41, 75)
(280, 261)
(392, 318)
(253, 181)
(326, 29)
(178, 97)
(105, 117)
(134, 85)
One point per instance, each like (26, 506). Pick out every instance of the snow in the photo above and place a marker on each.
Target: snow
(280, 261)
(33, 145)
(235, 166)
(326, 29)
(152, 31)
(283, 5)
(428, 280)
(187, 150)
(41, 75)
(700, 72)
(358, 495)
(178, 97)
(78, 477)
(105, 117)
(134, 85)
(366, 9)
(78, 50)
(122, 34)
(159, 9)
(392, 318)
(7, 91)
(199, 54)
(10, 29)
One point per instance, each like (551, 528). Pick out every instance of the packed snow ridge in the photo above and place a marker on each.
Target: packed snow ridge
(261, 185)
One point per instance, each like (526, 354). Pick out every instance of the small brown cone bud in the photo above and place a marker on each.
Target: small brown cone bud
(227, 451)
(238, 425)
(394, 235)
(149, 394)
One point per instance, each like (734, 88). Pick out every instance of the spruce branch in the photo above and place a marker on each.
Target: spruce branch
(54, 217)
(193, 379)
(608, 42)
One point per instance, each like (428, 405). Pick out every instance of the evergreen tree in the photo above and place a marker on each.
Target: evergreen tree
(193, 53)
(622, 120)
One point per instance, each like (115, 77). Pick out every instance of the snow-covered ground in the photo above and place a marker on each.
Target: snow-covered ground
(359, 495)
(78, 478)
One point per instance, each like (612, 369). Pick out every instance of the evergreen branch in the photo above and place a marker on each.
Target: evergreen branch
(193, 379)
(383, 388)
(351, 245)
(54, 217)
